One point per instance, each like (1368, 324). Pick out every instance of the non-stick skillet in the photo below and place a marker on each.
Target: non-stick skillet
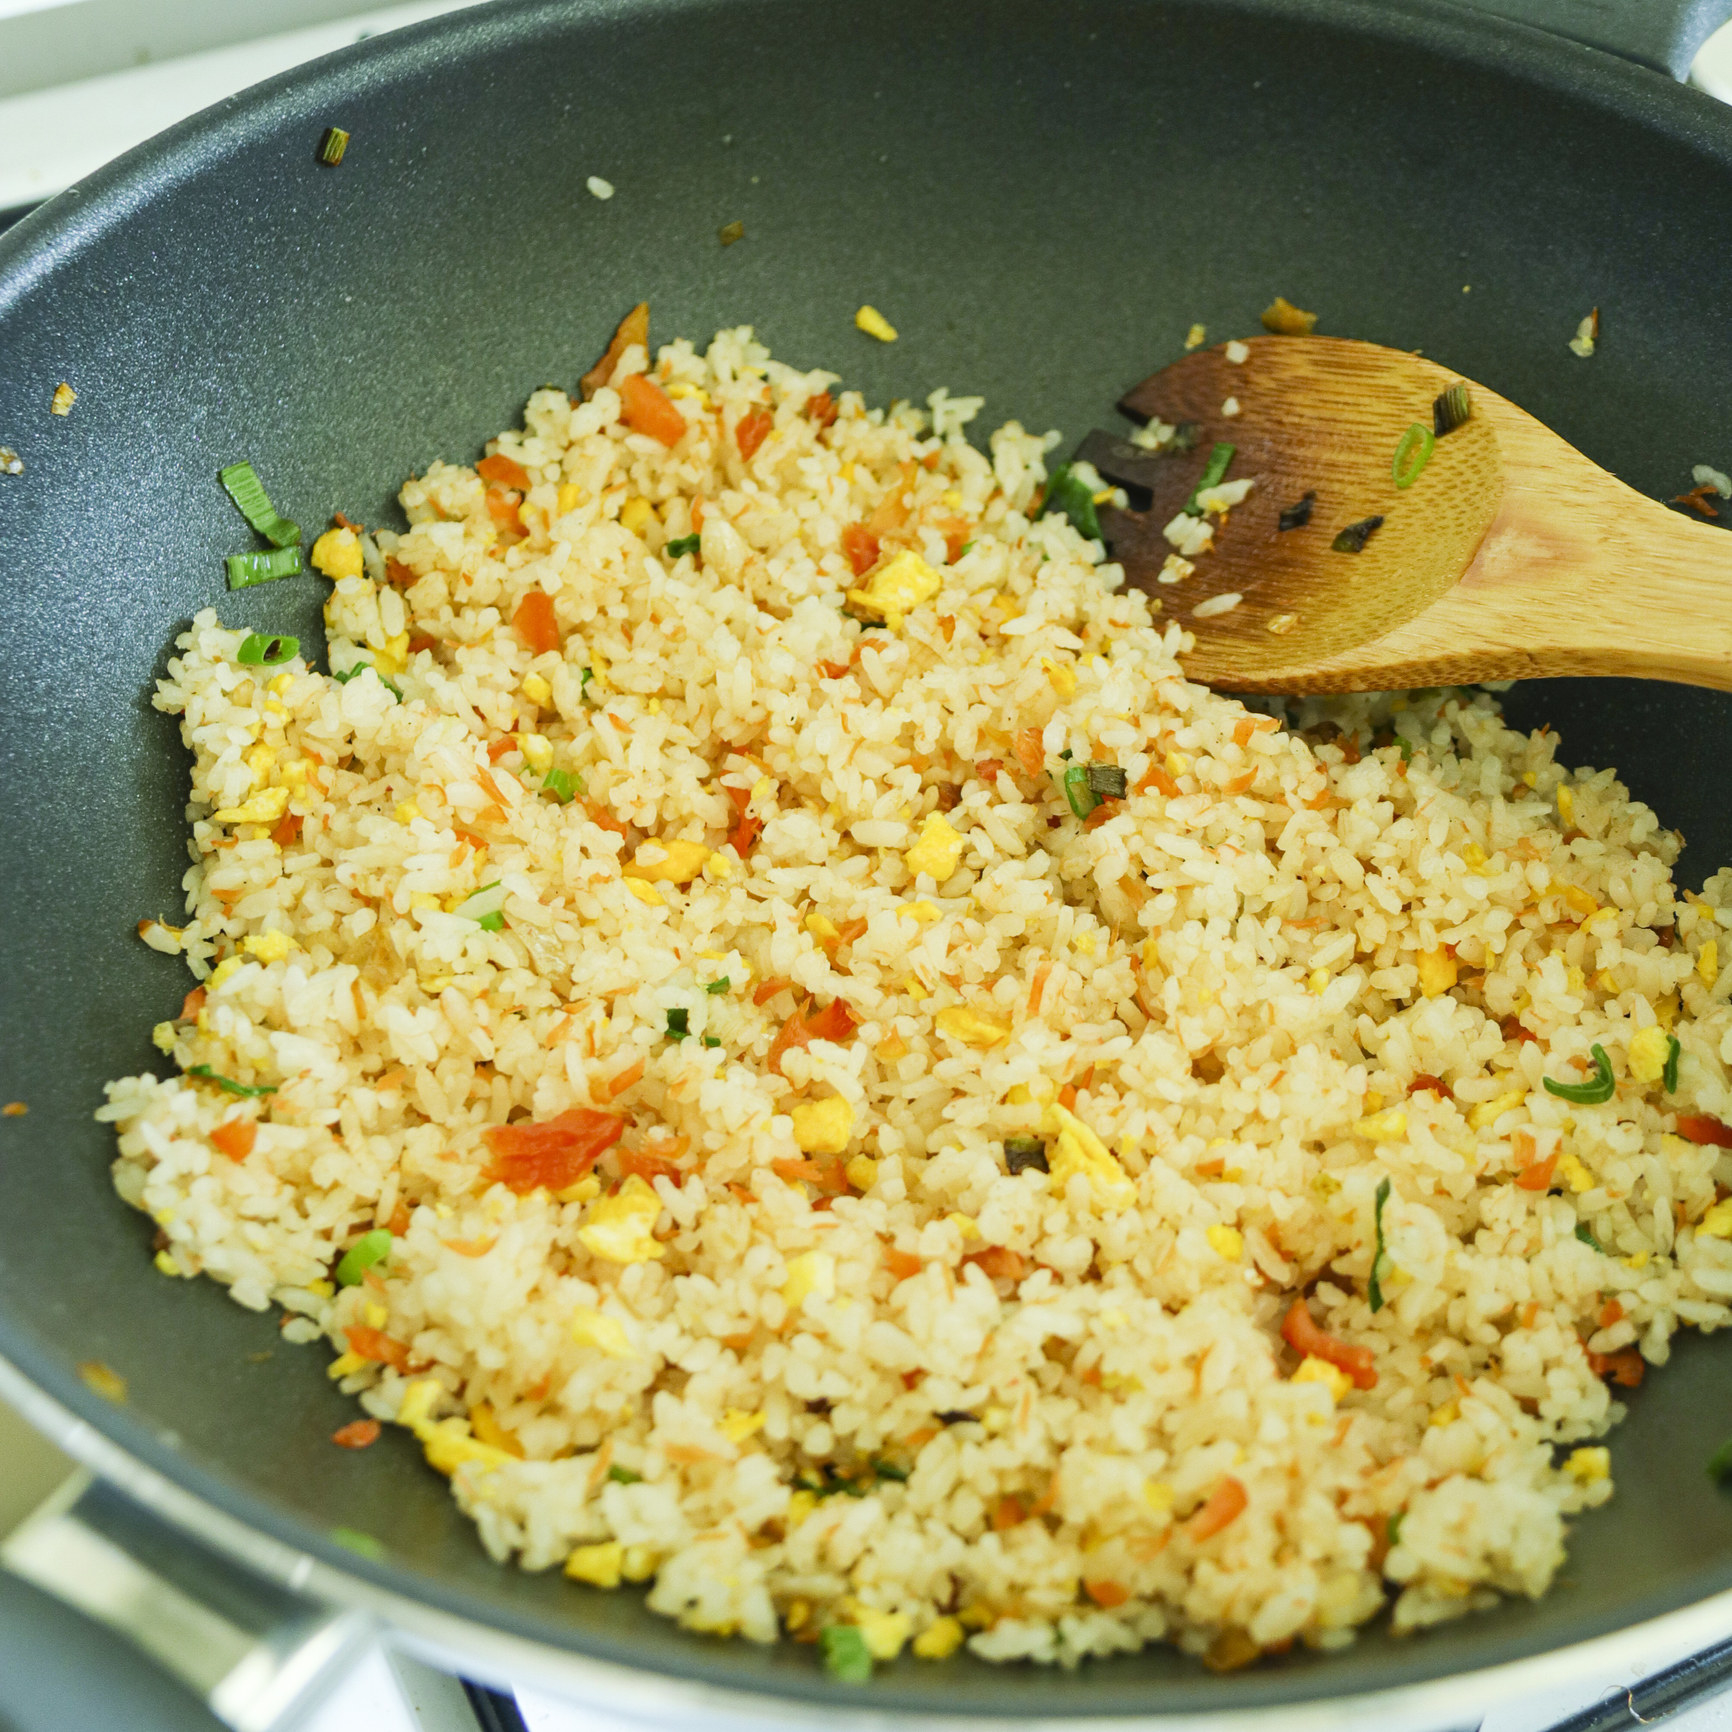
(1043, 197)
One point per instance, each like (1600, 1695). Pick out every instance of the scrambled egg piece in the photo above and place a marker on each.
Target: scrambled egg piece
(811, 1272)
(896, 586)
(1717, 1223)
(446, 1444)
(537, 690)
(885, 1632)
(1577, 1176)
(937, 852)
(737, 1425)
(265, 807)
(1437, 972)
(668, 862)
(874, 324)
(1078, 1150)
(337, 553)
(268, 946)
(1708, 963)
(1386, 1127)
(635, 513)
(592, 1328)
(1649, 1050)
(1227, 1242)
(646, 893)
(1332, 1377)
(862, 1172)
(823, 1127)
(1489, 1112)
(940, 1639)
(600, 1565)
(972, 1029)
(1589, 1465)
(618, 1228)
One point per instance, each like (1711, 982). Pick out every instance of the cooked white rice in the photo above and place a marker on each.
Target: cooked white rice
(1237, 977)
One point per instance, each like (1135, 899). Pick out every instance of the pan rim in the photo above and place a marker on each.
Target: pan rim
(124, 1450)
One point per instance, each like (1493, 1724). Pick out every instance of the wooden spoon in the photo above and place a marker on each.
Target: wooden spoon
(1510, 556)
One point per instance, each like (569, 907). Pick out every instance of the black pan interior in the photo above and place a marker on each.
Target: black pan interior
(1042, 199)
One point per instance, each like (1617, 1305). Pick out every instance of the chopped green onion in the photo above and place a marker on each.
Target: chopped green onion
(1451, 409)
(1405, 746)
(679, 1023)
(562, 784)
(712, 1040)
(1298, 514)
(967, 547)
(1720, 1463)
(243, 486)
(890, 1470)
(1354, 537)
(259, 650)
(223, 1082)
(717, 987)
(1588, 1094)
(1406, 468)
(1214, 473)
(1077, 790)
(362, 1545)
(1585, 1234)
(1185, 437)
(1022, 1153)
(678, 549)
(1374, 1288)
(262, 565)
(370, 1248)
(390, 685)
(846, 1655)
(1068, 493)
(1107, 782)
(492, 921)
(1669, 1076)
(1393, 1530)
(623, 1476)
(332, 146)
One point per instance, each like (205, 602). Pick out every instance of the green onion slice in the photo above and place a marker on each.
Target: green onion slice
(712, 1040)
(1585, 1233)
(332, 146)
(1588, 1094)
(390, 685)
(846, 1655)
(1107, 781)
(1077, 791)
(1669, 1076)
(1412, 453)
(1069, 494)
(229, 1084)
(242, 483)
(362, 1545)
(370, 1248)
(1298, 514)
(562, 784)
(623, 1475)
(1393, 1530)
(1720, 1463)
(262, 565)
(717, 987)
(1214, 473)
(679, 1023)
(492, 922)
(267, 650)
(1374, 1288)
(1451, 409)
(890, 1470)
(1022, 1153)
(1354, 537)
(678, 549)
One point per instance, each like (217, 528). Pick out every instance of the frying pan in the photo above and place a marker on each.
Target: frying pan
(1042, 199)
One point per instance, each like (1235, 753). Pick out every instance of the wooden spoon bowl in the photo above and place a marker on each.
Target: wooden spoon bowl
(1510, 555)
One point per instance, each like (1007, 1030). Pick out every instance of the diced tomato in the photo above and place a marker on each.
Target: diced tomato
(535, 624)
(1158, 779)
(989, 769)
(399, 1222)
(861, 547)
(902, 1264)
(553, 1152)
(398, 573)
(746, 827)
(235, 1137)
(1537, 1176)
(647, 1166)
(823, 409)
(1701, 1128)
(647, 408)
(1611, 1312)
(1434, 1085)
(375, 1344)
(1030, 752)
(287, 830)
(502, 504)
(507, 471)
(833, 1023)
(633, 328)
(1304, 1337)
(751, 430)
(1226, 1504)
(1513, 1028)
(422, 640)
(1625, 1369)
(1107, 1594)
(1000, 1263)
(357, 1434)
(1108, 808)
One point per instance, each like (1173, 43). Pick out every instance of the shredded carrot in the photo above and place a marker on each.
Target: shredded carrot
(746, 827)
(552, 1153)
(470, 1247)
(833, 670)
(498, 748)
(823, 409)
(599, 814)
(235, 1137)
(750, 431)
(795, 1171)
(904, 1265)
(534, 623)
(288, 830)
(1226, 1504)
(767, 989)
(1301, 1333)
(1158, 779)
(646, 408)
(192, 1004)
(507, 471)
(399, 1222)
(1030, 753)
(633, 328)
(647, 1166)
(398, 573)
(1537, 1175)
(624, 1080)
(1067, 1096)
(1107, 1593)
(920, 1438)
(1701, 1128)
(1107, 809)
(1698, 499)
(503, 507)
(687, 1454)
(1424, 1084)
(1048, 1499)
(832, 1023)
(1042, 973)
(1000, 1263)
(1007, 1513)
(375, 1344)
(860, 546)
(357, 1434)
(1239, 784)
